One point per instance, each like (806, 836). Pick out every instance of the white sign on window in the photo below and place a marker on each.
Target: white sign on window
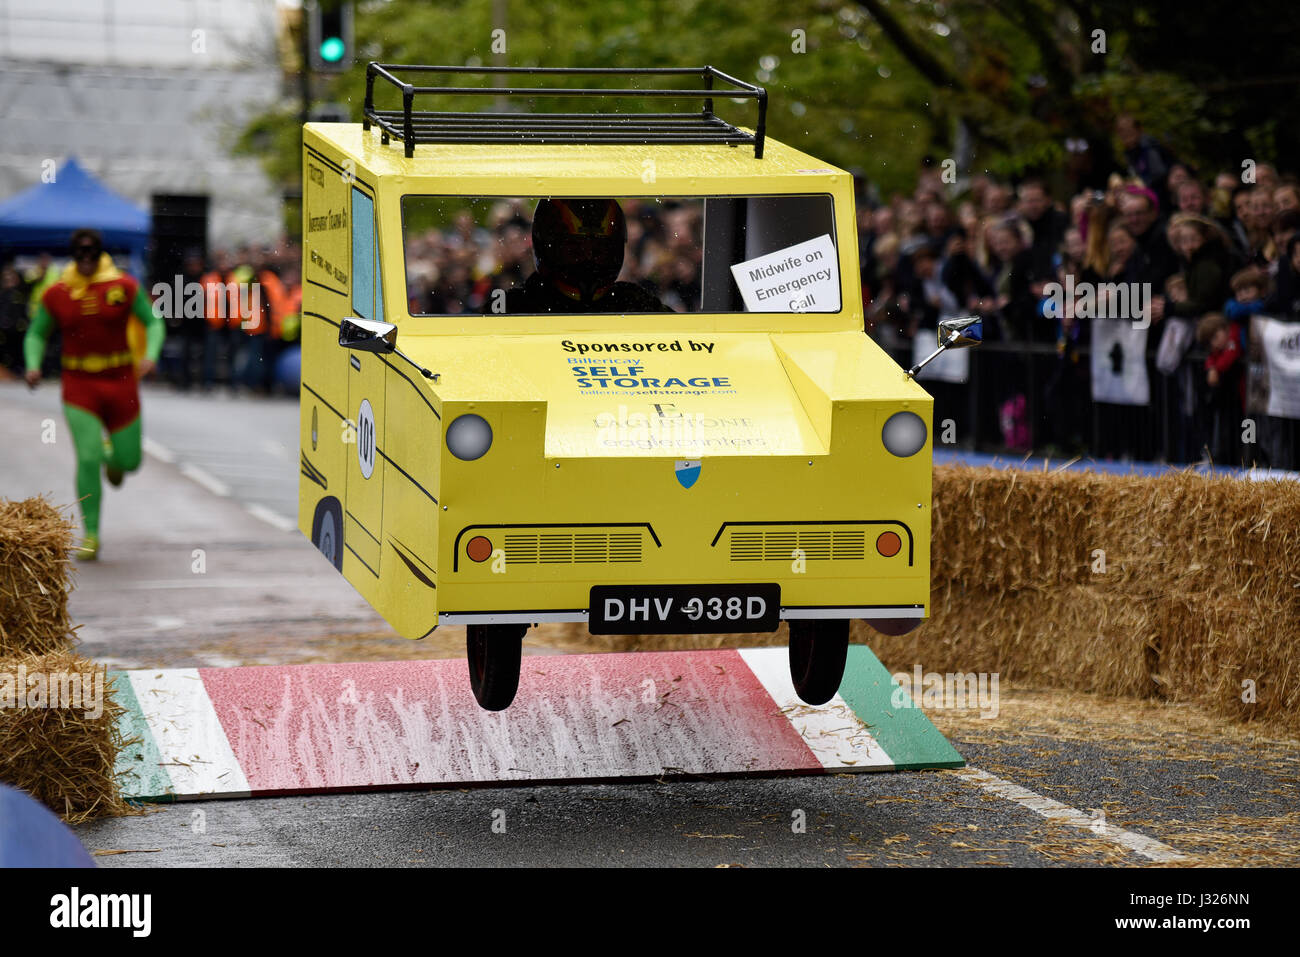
(800, 278)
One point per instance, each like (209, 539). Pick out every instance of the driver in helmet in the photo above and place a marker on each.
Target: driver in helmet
(579, 246)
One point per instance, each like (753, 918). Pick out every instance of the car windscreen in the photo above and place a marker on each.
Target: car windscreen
(548, 255)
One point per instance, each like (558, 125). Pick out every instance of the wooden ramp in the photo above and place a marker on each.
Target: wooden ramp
(306, 729)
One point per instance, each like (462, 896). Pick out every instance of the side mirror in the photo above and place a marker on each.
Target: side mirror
(969, 330)
(959, 331)
(371, 335)
(367, 335)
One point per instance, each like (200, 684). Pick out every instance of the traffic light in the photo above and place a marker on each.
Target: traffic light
(329, 35)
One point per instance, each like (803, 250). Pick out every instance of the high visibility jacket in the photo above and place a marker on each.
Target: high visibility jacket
(251, 306)
(220, 300)
(277, 301)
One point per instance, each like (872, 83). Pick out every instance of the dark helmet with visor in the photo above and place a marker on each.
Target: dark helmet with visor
(579, 245)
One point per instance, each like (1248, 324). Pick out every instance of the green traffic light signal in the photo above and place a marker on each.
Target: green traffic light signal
(331, 49)
(329, 35)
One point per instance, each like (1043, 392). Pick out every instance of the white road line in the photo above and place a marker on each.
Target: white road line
(217, 487)
(274, 519)
(160, 452)
(271, 447)
(206, 479)
(1148, 847)
(189, 470)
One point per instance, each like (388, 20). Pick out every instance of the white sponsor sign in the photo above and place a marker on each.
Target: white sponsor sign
(1281, 342)
(800, 278)
(1119, 363)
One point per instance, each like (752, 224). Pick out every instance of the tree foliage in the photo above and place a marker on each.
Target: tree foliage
(875, 85)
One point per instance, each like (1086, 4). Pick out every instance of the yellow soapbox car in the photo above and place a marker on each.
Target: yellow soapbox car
(632, 387)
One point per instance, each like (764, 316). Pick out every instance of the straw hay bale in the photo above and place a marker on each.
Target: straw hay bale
(64, 755)
(1200, 592)
(34, 581)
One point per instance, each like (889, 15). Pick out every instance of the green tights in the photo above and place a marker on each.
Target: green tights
(123, 453)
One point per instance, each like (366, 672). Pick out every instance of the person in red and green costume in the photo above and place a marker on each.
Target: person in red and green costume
(92, 303)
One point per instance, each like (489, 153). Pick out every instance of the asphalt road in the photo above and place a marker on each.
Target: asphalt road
(201, 561)
(1055, 779)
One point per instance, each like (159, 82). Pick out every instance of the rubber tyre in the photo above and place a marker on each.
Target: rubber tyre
(327, 531)
(819, 649)
(895, 627)
(493, 653)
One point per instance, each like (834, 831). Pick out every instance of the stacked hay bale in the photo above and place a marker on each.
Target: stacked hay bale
(34, 585)
(62, 755)
(1180, 586)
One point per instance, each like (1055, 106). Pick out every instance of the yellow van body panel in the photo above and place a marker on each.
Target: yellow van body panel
(781, 413)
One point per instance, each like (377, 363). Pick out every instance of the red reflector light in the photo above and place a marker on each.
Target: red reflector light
(479, 549)
(889, 544)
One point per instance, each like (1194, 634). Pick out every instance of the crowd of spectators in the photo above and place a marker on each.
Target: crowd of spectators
(455, 271)
(229, 317)
(1211, 250)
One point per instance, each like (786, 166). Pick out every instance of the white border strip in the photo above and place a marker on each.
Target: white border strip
(508, 617)
(1272, 475)
(833, 732)
(531, 617)
(900, 611)
(1148, 847)
(191, 742)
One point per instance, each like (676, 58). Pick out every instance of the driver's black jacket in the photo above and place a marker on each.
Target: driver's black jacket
(538, 296)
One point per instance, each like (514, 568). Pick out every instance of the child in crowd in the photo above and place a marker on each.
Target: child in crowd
(1249, 289)
(1226, 381)
(1176, 288)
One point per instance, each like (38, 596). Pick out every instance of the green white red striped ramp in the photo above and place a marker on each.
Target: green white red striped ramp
(299, 729)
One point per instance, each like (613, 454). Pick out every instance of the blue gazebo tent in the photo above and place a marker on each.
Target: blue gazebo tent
(41, 219)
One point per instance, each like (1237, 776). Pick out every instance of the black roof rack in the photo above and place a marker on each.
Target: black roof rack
(413, 126)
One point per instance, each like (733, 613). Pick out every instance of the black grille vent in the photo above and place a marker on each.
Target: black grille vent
(780, 544)
(572, 548)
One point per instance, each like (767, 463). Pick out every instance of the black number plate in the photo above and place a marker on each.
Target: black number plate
(683, 609)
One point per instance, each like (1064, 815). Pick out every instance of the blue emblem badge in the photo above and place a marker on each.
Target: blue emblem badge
(687, 471)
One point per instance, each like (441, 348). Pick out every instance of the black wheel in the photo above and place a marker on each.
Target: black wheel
(819, 649)
(895, 627)
(327, 530)
(494, 652)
